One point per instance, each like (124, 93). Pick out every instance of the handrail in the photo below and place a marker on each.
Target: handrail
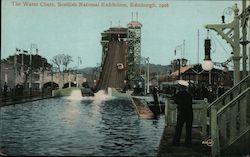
(228, 96)
(229, 122)
(230, 91)
(222, 110)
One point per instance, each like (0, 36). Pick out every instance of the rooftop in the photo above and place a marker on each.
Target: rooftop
(134, 24)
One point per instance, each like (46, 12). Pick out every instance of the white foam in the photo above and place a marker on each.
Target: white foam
(98, 97)
(75, 95)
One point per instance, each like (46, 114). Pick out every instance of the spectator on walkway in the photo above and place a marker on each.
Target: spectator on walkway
(183, 99)
(18, 90)
(204, 91)
(155, 95)
(198, 92)
(210, 94)
(5, 90)
(220, 90)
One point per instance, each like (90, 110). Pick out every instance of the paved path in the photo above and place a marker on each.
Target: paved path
(23, 100)
(166, 148)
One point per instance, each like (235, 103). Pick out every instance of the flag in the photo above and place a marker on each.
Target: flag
(79, 60)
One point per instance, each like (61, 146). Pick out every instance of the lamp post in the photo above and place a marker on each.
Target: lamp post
(145, 74)
(79, 61)
(15, 73)
(32, 47)
(147, 59)
(143, 61)
(207, 63)
(42, 84)
(22, 52)
(180, 59)
(179, 47)
(233, 38)
(244, 19)
(179, 66)
(69, 77)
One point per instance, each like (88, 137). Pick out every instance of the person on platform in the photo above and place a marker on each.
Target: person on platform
(220, 90)
(5, 89)
(155, 95)
(183, 99)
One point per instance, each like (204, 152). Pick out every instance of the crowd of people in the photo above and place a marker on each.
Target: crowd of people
(16, 91)
(201, 91)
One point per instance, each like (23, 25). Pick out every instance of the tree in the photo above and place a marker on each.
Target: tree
(37, 62)
(66, 60)
(62, 60)
(57, 60)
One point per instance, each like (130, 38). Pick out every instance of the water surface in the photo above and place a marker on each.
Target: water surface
(78, 126)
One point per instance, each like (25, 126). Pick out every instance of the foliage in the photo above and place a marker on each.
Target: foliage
(37, 62)
(62, 61)
(23, 60)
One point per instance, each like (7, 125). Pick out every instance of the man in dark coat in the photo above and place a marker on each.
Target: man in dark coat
(155, 95)
(220, 90)
(184, 114)
(5, 89)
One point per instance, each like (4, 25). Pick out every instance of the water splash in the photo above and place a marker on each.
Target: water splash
(75, 95)
(99, 97)
(97, 101)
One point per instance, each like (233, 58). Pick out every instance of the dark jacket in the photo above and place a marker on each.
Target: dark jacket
(184, 101)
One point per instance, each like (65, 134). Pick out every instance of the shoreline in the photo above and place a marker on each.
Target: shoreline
(24, 100)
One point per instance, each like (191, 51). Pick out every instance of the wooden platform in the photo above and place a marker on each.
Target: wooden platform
(166, 148)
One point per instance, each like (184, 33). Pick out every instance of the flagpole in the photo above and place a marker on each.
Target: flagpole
(197, 76)
(30, 70)
(22, 67)
(77, 72)
(15, 72)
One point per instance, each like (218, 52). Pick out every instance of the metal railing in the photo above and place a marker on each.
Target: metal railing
(230, 94)
(230, 122)
(226, 98)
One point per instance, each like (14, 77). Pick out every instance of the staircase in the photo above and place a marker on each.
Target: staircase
(229, 121)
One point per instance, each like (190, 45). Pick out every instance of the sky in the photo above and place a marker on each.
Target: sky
(76, 30)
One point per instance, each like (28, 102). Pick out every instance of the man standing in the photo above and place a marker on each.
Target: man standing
(220, 90)
(5, 89)
(155, 95)
(184, 114)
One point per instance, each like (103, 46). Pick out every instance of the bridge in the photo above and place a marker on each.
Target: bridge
(59, 80)
(48, 79)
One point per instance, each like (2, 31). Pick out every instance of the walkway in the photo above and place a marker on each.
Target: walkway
(12, 101)
(197, 149)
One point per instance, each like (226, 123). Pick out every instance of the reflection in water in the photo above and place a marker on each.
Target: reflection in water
(70, 115)
(74, 125)
(121, 130)
(76, 95)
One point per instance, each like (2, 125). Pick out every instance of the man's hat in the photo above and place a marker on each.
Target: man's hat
(183, 83)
